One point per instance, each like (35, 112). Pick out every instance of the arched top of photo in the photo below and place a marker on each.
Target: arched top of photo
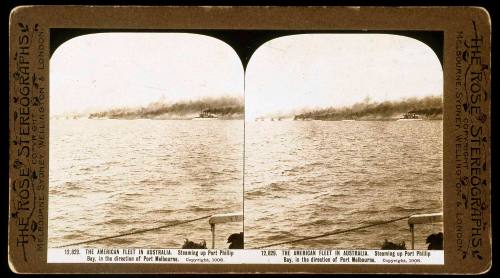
(390, 75)
(143, 75)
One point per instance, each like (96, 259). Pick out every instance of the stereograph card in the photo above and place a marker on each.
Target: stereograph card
(249, 139)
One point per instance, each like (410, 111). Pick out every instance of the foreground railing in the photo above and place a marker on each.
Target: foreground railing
(238, 217)
(220, 219)
(422, 219)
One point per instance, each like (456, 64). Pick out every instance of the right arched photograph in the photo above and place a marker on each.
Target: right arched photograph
(344, 143)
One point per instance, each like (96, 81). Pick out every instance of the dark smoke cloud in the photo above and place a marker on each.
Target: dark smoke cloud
(223, 106)
(430, 107)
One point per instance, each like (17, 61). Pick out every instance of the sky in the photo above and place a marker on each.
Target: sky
(108, 70)
(337, 70)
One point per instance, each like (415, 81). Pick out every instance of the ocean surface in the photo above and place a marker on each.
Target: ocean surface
(306, 178)
(110, 177)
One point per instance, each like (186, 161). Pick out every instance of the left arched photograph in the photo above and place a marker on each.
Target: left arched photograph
(146, 142)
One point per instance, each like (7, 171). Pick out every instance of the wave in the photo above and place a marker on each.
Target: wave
(255, 193)
(54, 191)
(148, 181)
(72, 236)
(111, 162)
(301, 169)
(121, 240)
(403, 209)
(161, 211)
(201, 209)
(72, 185)
(276, 186)
(283, 235)
(93, 168)
(324, 243)
(116, 221)
(134, 194)
(125, 206)
(269, 189)
(319, 222)
(370, 212)
(102, 190)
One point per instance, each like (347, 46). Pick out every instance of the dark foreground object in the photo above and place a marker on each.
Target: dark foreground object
(435, 241)
(387, 245)
(193, 245)
(236, 241)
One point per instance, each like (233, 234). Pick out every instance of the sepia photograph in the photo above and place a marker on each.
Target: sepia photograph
(276, 139)
(340, 131)
(146, 142)
(344, 143)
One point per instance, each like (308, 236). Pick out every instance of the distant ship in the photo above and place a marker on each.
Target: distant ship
(204, 115)
(410, 117)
